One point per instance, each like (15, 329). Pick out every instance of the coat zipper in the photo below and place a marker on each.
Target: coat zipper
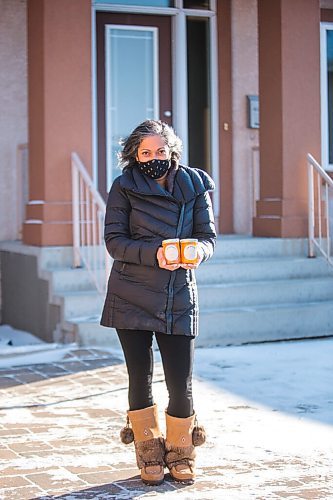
(173, 276)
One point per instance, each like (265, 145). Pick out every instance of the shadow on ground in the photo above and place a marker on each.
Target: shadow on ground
(130, 488)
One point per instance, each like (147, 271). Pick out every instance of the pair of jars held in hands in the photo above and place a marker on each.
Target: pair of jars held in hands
(178, 251)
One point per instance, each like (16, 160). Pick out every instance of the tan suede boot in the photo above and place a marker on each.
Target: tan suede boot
(149, 444)
(181, 436)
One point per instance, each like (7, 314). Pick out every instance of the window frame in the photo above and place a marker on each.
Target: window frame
(179, 64)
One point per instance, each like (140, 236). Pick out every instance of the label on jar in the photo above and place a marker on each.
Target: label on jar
(171, 252)
(190, 252)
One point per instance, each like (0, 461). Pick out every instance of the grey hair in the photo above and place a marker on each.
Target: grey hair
(127, 157)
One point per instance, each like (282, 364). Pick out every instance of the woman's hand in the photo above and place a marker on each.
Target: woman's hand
(163, 263)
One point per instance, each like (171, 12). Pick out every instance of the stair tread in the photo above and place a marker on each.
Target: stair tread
(261, 259)
(250, 308)
(251, 289)
(73, 293)
(277, 305)
(261, 282)
(217, 260)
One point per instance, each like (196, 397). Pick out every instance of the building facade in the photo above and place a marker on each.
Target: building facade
(80, 74)
(96, 69)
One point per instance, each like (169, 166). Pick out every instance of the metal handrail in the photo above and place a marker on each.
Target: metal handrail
(320, 218)
(88, 226)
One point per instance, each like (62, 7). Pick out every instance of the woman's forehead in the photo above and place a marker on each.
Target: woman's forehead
(152, 142)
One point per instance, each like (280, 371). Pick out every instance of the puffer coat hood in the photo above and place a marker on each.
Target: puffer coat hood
(139, 215)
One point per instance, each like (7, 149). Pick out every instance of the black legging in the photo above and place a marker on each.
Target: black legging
(177, 353)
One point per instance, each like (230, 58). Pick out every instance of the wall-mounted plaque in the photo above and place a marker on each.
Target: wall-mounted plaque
(252, 111)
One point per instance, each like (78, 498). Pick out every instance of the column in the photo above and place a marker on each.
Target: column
(289, 90)
(59, 76)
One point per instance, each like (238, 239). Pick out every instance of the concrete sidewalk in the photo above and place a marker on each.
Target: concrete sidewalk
(60, 423)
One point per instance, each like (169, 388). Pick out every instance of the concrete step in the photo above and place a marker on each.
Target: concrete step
(214, 271)
(80, 304)
(92, 333)
(69, 279)
(56, 257)
(62, 257)
(252, 290)
(227, 246)
(234, 246)
(234, 326)
(87, 331)
(265, 292)
(254, 269)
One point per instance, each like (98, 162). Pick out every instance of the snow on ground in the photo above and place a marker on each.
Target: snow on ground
(11, 337)
(18, 347)
(268, 410)
(295, 376)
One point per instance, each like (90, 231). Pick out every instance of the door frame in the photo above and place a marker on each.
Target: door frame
(179, 79)
(324, 27)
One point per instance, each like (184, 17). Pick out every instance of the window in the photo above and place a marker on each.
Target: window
(196, 4)
(141, 3)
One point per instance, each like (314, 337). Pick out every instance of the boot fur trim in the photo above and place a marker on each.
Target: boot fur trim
(198, 435)
(150, 452)
(127, 435)
(175, 455)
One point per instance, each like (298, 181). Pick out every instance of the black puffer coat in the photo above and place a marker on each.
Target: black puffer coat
(139, 215)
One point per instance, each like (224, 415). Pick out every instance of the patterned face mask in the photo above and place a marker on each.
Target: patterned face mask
(154, 168)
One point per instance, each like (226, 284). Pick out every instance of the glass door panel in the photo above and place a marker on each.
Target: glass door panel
(131, 84)
(329, 45)
(199, 98)
(134, 81)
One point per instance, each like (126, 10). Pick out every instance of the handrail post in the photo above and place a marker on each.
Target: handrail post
(88, 226)
(76, 215)
(311, 218)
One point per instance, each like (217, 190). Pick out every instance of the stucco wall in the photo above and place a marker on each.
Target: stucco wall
(13, 105)
(244, 82)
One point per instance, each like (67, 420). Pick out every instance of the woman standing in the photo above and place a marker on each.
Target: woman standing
(156, 198)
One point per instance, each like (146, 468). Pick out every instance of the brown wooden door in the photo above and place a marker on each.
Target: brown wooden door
(163, 25)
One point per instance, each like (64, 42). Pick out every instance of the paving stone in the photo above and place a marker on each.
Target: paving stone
(51, 370)
(8, 382)
(6, 454)
(13, 481)
(71, 448)
(101, 413)
(99, 477)
(100, 362)
(24, 493)
(57, 480)
(21, 471)
(83, 470)
(105, 491)
(72, 366)
(28, 378)
(32, 446)
(13, 432)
